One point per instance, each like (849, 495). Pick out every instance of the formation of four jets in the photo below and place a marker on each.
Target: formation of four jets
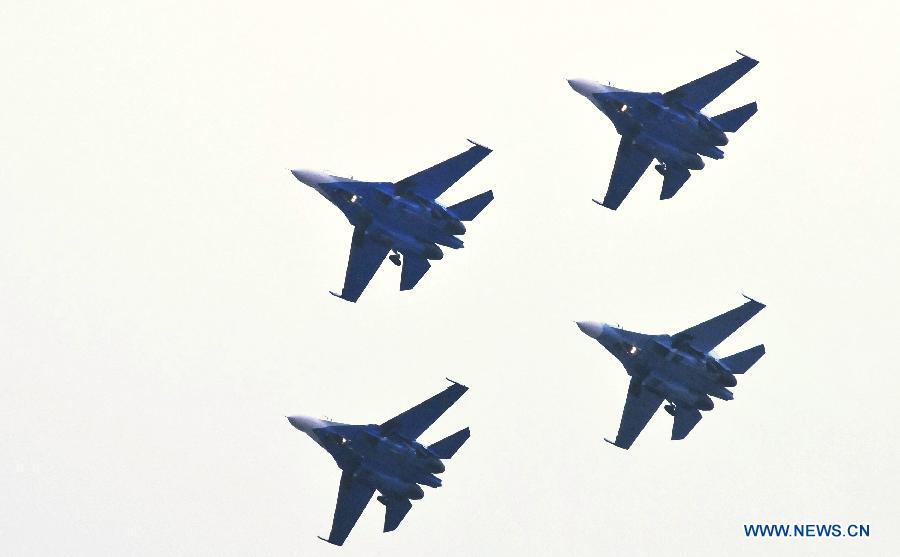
(403, 222)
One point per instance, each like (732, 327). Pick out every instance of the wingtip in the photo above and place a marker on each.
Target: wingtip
(753, 300)
(612, 443)
(475, 143)
(341, 296)
(748, 57)
(604, 205)
(456, 383)
(328, 541)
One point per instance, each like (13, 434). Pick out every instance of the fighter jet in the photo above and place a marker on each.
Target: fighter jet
(384, 458)
(677, 368)
(402, 218)
(668, 127)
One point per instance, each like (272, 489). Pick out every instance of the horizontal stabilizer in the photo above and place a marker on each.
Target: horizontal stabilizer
(742, 361)
(674, 178)
(395, 512)
(685, 420)
(467, 210)
(447, 447)
(732, 120)
(414, 268)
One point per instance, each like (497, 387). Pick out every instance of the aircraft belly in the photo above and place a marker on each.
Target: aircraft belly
(421, 230)
(667, 150)
(684, 140)
(690, 378)
(387, 483)
(407, 244)
(672, 389)
(417, 221)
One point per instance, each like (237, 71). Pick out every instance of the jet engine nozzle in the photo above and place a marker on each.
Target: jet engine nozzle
(720, 373)
(433, 252)
(415, 492)
(703, 402)
(434, 465)
(694, 162)
(455, 227)
(715, 133)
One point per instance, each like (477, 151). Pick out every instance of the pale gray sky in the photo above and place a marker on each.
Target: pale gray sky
(164, 279)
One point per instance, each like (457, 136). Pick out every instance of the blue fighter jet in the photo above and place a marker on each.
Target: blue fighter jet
(668, 127)
(386, 458)
(679, 369)
(402, 218)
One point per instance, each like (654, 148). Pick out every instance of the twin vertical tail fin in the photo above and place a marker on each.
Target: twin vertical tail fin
(447, 447)
(467, 210)
(732, 120)
(742, 361)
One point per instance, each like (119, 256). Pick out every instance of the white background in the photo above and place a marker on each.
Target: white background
(163, 277)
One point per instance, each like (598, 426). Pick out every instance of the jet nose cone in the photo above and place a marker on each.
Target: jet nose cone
(584, 86)
(581, 86)
(311, 177)
(305, 423)
(592, 329)
(589, 88)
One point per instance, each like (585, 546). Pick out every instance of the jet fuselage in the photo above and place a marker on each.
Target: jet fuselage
(391, 465)
(674, 370)
(405, 222)
(671, 133)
